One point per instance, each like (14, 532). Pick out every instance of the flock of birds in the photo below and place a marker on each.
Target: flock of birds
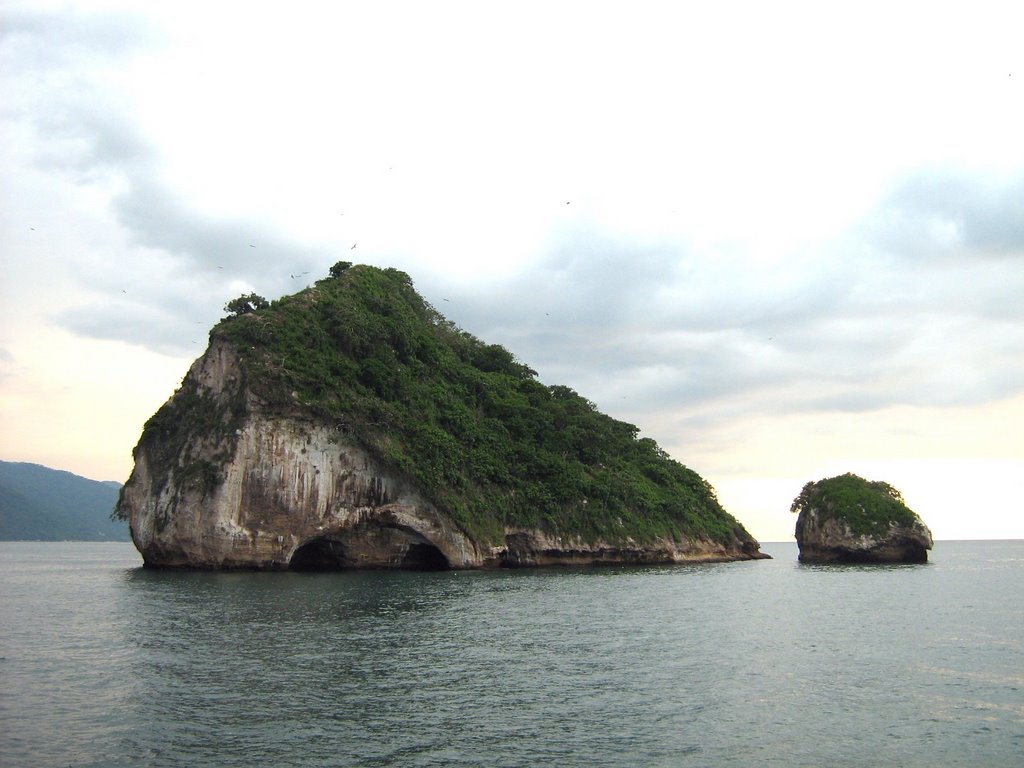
(296, 275)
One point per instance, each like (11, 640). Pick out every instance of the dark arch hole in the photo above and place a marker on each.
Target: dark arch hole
(425, 557)
(319, 555)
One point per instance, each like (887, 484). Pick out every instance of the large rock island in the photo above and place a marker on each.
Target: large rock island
(848, 519)
(352, 426)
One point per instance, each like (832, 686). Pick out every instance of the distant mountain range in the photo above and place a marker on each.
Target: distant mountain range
(42, 504)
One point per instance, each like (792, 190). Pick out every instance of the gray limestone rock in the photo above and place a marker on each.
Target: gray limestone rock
(847, 519)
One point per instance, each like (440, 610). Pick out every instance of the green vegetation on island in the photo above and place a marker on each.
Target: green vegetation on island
(487, 442)
(867, 507)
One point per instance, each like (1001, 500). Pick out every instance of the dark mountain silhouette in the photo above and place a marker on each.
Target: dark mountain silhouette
(42, 504)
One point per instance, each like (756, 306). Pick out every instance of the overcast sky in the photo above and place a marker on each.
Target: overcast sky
(784, 239)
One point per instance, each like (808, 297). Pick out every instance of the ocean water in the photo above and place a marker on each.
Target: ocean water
(103, 663)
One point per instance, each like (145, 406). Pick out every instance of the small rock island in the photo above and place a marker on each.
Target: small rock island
(848, 519)
(351, 425)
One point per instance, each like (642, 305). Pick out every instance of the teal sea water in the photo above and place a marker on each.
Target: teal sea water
(767, 663)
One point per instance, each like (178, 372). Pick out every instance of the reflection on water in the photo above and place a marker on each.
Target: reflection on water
(841, 567)
(773, 662)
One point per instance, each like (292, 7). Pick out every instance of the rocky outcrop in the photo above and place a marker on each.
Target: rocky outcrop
(831, 541)
(850, 520)
(223, 481)
(255, 489)
(529, 548)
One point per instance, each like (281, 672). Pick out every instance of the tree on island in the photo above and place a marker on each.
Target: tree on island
(245, 304)
(340, 268)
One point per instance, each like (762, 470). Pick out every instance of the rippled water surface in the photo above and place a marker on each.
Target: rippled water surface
(764, 663)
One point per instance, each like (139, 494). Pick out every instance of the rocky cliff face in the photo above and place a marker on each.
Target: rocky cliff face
(221, 480)
(228, 485)
(827, 539)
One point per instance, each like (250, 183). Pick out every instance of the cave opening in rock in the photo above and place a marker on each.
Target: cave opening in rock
(425, 557)
(384, 548)
(319, 555)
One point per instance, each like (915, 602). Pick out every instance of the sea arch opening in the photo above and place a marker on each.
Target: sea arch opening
(425, 557)
(321, 554)
(377, 548)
